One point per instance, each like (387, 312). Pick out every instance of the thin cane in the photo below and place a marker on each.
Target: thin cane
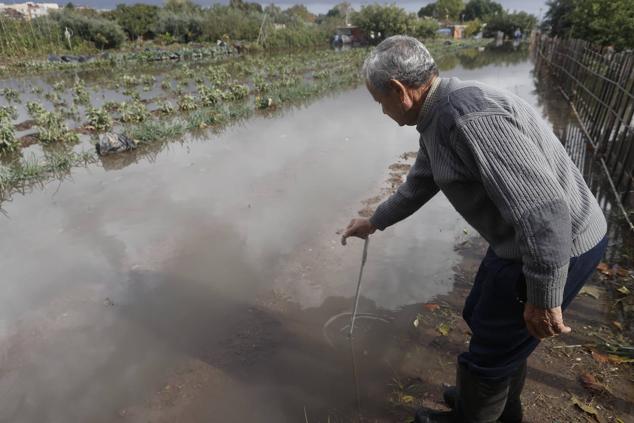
(356, 297)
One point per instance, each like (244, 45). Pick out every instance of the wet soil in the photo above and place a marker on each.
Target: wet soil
(206, 282)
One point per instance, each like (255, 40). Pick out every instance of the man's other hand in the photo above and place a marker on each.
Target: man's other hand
(544, 322)
(360, 228)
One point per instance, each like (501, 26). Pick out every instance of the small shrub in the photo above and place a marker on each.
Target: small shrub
(187, 103)
(8, 141)
(11, 95)
(8, 113)
(133, 111)
(53, 129)
(99, 119)
(237, 92)
(80, 94)
(209, 96)
(166, 108)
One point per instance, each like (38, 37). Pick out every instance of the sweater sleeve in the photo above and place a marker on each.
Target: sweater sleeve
(519, 180)
(418, 188)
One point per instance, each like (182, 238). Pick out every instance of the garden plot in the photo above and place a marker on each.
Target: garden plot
(50, 123)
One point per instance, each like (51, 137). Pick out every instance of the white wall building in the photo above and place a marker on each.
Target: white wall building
(28, 10)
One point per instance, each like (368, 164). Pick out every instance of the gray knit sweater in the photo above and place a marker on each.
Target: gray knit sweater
(502, 168)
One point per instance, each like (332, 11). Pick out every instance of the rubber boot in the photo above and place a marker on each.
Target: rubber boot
(480, 400)
(513, 410)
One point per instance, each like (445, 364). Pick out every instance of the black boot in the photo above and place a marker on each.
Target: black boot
(513, 410)
(480, 400)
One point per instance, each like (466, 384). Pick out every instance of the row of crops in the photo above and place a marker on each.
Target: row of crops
(50, 123)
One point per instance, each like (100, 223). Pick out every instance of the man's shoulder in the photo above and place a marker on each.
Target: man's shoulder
(466, 98)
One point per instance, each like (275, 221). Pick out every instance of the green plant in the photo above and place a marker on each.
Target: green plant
(237, 91)
(53, 129)
(8, 141)
(187, 103)
(166, 108)
(99, 119)
(133, 111)
(80, 94)
(36, 110)
(209, 96)
(103, 33)
(263, 102)
(8, 113)
(11, 95)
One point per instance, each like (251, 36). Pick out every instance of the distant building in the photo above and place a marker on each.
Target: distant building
(28, 10)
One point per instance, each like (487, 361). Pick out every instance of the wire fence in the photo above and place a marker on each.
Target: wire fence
(599, 84)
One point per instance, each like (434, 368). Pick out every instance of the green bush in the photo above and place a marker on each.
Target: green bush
(182, 27)
(296, 37)
(103, 33)
(509, 22)
(137, 20)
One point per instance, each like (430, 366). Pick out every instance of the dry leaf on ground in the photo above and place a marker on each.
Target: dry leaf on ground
(587, 408)
(443, 329)
(590, 383)
(592, 291)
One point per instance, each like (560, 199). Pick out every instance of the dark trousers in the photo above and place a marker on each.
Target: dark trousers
(494, 311)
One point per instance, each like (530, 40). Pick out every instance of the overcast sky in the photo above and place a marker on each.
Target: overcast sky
(315, 6)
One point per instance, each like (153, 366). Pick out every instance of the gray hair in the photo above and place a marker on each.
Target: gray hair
(402, 58)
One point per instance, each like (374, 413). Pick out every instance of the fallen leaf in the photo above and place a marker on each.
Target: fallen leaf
(589, 382)
(443, 329)
(600, 358)
(592, 291)
(431, 307)
(623, 290)
(610, 358)
(622, 272)
(587, 408)
(617, 359)
(617, 325)
(407, 399)
(604, 268)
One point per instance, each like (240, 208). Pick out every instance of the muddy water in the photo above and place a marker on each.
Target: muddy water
(195, 285)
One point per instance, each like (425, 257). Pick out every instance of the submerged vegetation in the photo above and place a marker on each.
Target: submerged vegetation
(154, 105)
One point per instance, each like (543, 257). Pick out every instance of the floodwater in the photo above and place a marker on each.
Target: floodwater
(194, 284)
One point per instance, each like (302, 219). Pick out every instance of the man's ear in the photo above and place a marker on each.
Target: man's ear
(401, 91)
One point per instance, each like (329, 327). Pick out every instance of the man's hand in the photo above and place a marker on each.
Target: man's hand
(360, 228)
(543, 322)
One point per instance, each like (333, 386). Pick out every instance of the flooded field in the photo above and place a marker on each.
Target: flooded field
(204, 280)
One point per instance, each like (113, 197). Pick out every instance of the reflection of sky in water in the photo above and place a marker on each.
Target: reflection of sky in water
(215, 219)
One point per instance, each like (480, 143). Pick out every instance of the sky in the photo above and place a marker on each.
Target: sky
(315, 6)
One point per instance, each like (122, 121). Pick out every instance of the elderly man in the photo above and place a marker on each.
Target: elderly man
(507, 174)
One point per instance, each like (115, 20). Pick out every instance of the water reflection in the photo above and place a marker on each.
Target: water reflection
(220, 256)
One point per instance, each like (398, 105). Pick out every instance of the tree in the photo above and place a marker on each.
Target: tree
(136, 20)
(428, 10)
(340, 10)
(449, 9)
(482, 9)
(606, 22)
(393, 20)
(301, 13)
(558, 18)
(509, 22)
(385, 20)
(246, 6)
(181, 6)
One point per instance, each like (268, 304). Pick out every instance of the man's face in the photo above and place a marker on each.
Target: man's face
(394, 102)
